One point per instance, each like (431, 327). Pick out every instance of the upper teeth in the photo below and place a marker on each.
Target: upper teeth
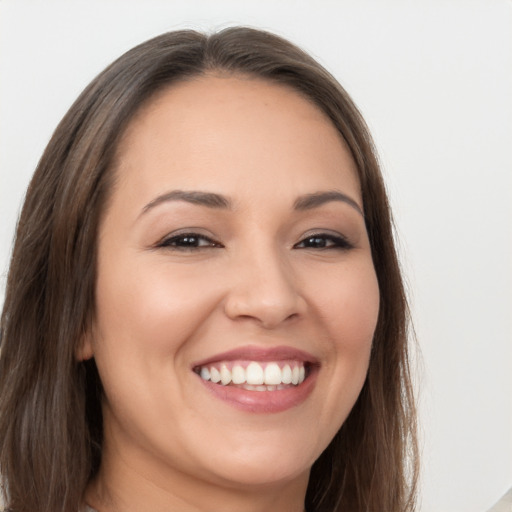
(253, 373)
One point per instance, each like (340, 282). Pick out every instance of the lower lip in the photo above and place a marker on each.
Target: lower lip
(263, 401)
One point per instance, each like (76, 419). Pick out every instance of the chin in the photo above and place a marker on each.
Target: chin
(264, 463)
(265, 474)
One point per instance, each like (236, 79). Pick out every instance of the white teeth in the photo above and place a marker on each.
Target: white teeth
(287, 374)
(250, 388)
(214, 374)
(273, 374)
(295, 375)
(254, 374)
(237, 374)
(225, 375)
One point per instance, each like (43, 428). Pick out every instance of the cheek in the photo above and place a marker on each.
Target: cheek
(347, 302)
(150, 307)
(348, 308)
(145, 316)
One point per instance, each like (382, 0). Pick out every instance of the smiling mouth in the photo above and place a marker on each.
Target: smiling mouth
(262, 380)
(256, 375)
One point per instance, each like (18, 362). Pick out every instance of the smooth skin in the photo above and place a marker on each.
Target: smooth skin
(254, 272)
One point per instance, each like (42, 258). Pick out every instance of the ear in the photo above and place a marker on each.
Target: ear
(84, 349)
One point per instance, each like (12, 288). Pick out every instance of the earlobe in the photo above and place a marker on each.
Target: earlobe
(84, 350)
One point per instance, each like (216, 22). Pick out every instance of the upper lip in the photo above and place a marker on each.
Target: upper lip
(263, 354)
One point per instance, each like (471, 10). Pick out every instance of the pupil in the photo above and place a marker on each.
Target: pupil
(317, 242)
(187, 241)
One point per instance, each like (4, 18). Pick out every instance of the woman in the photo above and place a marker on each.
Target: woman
(204, 309)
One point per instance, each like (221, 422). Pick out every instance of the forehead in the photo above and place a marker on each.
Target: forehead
(223, 130)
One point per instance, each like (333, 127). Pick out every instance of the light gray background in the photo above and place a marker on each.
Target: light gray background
(434, 81)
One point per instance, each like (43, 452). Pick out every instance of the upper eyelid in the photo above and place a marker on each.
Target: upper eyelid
(193, 231)
(327, 235)
(168, 238)
(324, 233)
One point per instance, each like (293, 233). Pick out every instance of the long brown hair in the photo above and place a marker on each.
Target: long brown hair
(50, 414)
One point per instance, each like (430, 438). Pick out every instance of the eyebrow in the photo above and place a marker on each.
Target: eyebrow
(310, 201)
(218, 201)
(208, 199)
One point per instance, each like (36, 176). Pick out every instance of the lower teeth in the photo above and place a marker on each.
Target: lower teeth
(263, 387)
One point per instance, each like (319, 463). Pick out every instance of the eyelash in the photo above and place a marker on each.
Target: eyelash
(191, 241)
(337, 242)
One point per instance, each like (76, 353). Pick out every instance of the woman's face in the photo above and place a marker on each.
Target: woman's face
(233, 248)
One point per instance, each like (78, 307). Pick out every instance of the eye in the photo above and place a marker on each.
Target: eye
(324, 241)
(188, 241)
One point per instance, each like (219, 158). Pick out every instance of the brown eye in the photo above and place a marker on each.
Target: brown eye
(324, 241)
(188, 241)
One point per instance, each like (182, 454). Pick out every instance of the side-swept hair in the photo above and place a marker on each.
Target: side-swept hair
(50, 404)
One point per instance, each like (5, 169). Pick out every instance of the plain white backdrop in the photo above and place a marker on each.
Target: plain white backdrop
(434, 81)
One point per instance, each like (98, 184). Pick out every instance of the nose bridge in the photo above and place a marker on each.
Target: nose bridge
(264, 287)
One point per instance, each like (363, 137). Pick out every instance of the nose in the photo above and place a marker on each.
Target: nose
(264, 289)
